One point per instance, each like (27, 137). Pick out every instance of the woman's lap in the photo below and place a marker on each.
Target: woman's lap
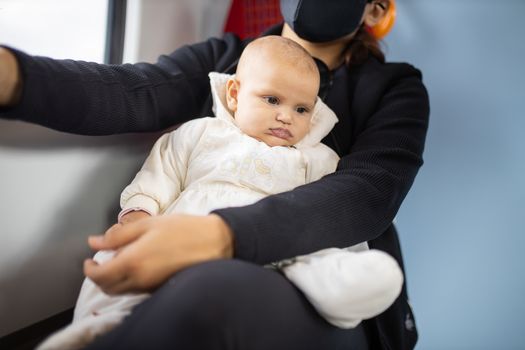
(228, 304)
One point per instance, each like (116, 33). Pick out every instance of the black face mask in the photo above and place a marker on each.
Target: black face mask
(320, 21)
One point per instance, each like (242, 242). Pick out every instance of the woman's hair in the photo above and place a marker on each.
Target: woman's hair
(361, 46)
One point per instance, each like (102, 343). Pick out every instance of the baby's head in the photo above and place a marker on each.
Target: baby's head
(273, 93)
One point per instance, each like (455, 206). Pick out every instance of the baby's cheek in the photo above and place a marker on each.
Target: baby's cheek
(303, 130)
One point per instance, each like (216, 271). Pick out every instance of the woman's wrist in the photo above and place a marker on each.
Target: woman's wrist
(10, 80)
(224, 236)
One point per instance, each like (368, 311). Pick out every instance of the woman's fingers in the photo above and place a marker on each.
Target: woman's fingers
(118, 235)
(149, 251)
(112, 276)
(129, 270)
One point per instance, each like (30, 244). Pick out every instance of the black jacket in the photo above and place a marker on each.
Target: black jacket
(383, 111)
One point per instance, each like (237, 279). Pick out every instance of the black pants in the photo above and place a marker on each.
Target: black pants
(228, 304)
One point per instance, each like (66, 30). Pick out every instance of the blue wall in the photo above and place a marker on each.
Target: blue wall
(461, 226)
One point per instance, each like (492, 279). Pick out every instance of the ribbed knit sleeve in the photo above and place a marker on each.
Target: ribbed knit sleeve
(96, 99)
(359, 201)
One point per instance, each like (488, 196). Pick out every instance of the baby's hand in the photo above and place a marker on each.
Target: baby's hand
(133, 216)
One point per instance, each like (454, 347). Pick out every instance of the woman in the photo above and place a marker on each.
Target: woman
(217, 302)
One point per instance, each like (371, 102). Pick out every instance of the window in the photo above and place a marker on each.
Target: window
(57, 28)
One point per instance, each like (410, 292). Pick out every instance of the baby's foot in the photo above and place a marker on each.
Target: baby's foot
(347, 287)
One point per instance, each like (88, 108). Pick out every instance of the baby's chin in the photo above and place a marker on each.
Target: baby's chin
(273, 141)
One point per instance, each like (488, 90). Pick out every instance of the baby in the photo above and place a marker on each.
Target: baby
(265, 139)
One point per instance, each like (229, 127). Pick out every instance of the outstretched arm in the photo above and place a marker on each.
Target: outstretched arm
(97, 99)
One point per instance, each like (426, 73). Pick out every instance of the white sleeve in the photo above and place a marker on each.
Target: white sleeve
(320, 161)
(161, 178)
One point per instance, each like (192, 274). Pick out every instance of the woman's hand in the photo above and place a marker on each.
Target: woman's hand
(152, 249)
(10, 81)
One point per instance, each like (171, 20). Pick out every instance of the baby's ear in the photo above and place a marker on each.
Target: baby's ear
(232, 90)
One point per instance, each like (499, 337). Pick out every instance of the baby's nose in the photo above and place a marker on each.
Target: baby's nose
(284, 117)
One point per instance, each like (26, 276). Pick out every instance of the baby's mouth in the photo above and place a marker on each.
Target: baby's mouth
(281, 133)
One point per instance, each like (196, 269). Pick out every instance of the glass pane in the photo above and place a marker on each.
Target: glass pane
(57, 28)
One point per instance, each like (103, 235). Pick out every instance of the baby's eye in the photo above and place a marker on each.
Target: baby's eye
(271, 100)
(301, 110)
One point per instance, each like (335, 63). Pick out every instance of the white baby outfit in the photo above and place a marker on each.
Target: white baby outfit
(209, 163)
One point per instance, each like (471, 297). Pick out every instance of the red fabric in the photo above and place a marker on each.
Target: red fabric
(248, 18)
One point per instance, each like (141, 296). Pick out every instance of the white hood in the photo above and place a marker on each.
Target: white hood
(323, 118)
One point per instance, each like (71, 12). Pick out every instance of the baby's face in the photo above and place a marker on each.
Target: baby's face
(275, 104)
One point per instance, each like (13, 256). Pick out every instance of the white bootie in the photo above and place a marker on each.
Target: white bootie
(347, 287)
